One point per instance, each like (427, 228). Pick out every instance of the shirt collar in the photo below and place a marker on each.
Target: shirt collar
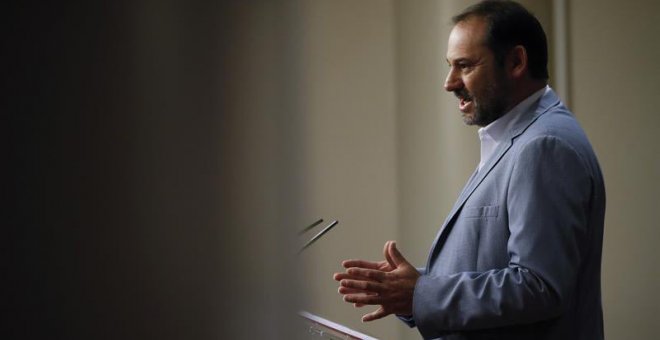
(500, 126)
(492, 134)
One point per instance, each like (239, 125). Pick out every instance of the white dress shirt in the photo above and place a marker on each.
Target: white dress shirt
(494, 133)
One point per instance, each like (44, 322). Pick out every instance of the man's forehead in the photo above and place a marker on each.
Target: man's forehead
(467, 37)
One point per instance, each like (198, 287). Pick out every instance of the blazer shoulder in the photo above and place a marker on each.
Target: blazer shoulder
(560, 125)
(558, 122)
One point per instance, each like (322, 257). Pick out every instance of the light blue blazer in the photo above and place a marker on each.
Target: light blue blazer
(519, 255)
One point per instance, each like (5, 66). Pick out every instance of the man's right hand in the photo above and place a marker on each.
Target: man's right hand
(388, 283)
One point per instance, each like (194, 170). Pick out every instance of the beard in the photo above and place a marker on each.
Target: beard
(489, 105)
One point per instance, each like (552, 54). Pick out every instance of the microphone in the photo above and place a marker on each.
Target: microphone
(317, 236)
(310, 226)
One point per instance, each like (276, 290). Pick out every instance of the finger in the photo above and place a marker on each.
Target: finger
(395, 256)
(345, 290)
(360, 264)
(385, 247)
(339, 276)
(364, 299)
(358, 305)
(370, 274)
(369, 286)
(388, 255)
(375, 315)
(342, 276)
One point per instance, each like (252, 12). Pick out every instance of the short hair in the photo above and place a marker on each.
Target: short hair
(509, 24)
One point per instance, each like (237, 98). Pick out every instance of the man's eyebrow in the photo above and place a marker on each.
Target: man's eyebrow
(457, 61)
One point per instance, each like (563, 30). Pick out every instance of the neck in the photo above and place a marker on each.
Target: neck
(525, 90)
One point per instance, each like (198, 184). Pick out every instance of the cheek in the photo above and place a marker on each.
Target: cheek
(472, 81)
(475, 83)
(471, 86)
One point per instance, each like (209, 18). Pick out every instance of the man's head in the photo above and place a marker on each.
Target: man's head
(497, 53)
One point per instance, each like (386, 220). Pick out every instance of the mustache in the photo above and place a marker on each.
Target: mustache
(463, 94)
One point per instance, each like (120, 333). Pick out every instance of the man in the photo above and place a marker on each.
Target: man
(519, 255)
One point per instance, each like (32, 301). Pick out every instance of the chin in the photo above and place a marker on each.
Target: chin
(469, 119)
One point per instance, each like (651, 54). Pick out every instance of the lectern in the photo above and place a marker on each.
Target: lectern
(320, 328)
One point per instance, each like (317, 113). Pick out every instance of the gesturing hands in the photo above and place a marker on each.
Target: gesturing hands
(389, 283)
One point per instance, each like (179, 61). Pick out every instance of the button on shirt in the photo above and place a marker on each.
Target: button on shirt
(494, 133)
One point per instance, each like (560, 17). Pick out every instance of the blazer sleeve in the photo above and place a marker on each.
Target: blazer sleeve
(547, 204)
(408, 319)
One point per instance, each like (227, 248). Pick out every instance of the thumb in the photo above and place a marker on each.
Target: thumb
(386, 253)
(386, 247)
(394, 257)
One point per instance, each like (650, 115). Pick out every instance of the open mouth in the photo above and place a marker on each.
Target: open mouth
(465, 101)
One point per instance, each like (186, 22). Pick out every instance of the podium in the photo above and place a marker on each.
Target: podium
(320, 328)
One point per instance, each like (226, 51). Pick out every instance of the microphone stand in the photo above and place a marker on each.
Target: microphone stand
(317, 236)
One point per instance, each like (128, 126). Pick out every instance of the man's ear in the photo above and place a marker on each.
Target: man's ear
(517, 62)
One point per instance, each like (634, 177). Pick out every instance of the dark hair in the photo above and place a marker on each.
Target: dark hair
(509, 25)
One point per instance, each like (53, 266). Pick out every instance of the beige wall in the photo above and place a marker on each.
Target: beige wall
(614, 57)
(386, 151)
(348, 99)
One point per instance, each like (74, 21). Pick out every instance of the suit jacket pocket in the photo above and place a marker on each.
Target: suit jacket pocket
(480, 212)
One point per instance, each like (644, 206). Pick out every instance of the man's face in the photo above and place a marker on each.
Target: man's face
(474, 76)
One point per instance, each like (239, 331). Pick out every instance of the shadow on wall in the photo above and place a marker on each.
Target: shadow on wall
(146, 169)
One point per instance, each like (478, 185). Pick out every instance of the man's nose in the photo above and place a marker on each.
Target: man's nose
(452, 82)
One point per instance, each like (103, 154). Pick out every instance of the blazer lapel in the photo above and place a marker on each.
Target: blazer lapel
(547, 101)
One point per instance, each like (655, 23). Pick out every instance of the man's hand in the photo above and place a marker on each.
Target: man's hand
(389, 283)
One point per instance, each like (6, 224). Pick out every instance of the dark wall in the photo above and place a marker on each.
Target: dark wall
(118, 122)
